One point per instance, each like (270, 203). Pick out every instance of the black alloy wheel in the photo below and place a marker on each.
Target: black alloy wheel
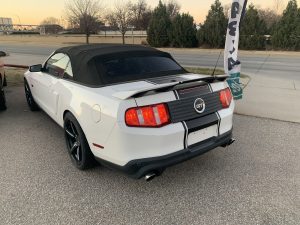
(5, 81)
(73, 142)
(2, 97)
(30, 101)
(77, 145)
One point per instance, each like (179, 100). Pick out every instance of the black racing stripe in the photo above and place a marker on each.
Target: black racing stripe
(185, 141)
(167, 79)
(183, 109)
(194, 91)
(202, 122)
(219, 122)
(176, 94)
(150, 82)
(210, 88)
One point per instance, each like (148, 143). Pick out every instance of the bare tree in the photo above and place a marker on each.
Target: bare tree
(269, 16)
(121, 17)
(173, 8)
(141, 14)
(85, 14)
(50, 21)
(278, 6)
(227, 9)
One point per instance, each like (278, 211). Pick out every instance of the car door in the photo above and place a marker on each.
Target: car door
(48, 80)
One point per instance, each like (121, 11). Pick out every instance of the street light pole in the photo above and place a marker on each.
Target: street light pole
(19, 20)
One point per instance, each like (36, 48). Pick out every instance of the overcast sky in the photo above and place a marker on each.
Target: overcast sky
(34, 11)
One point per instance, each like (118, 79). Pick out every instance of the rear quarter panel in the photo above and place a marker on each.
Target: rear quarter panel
(94, 108)
(226, 115)
(129, 143)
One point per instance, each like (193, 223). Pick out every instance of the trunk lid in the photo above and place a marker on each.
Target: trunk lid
(182, 100)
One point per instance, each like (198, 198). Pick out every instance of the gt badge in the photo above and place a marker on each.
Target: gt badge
(199, 105)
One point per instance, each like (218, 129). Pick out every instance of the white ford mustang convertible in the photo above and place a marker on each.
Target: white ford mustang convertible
(131, 108)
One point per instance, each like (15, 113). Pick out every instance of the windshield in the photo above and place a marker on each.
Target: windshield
(124, 69)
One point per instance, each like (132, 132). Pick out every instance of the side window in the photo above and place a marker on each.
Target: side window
(68, 72)
(57, 64)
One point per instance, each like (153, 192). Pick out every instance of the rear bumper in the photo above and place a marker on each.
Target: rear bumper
(141, 167)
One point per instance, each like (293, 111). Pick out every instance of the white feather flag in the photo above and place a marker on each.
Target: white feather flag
(232, 65)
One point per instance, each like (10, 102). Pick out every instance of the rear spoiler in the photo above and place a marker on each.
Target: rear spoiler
(128, 94)
(123, 95)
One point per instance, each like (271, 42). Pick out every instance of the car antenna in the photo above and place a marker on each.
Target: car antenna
(213, 73)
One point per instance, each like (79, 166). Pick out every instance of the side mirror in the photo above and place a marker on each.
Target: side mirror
(36, 68)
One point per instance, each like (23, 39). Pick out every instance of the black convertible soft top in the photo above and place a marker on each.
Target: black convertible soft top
(83, 59)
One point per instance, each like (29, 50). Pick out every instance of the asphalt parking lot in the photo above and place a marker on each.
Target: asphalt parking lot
(255, 181)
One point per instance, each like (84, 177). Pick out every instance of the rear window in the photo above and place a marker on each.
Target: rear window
(124, 69)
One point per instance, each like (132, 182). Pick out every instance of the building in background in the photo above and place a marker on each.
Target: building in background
(50, 29)
(6, 25)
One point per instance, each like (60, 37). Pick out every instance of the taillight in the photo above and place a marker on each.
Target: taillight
(225, 98)
(148, 116)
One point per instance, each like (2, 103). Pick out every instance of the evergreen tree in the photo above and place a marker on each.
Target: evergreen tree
(253, 29)
(252, 23)
(183, 31)
(287, 31)
(212, 32)
(160, 27)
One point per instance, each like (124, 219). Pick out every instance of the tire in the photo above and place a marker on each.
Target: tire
(2, 97)
(4, 82)
(77, 145)
(30, 101)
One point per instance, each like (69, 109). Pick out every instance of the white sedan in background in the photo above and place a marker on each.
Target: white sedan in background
(131, 108)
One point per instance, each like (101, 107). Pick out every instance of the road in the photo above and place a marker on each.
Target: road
(269, 64)
(255, 181)
(262, 63)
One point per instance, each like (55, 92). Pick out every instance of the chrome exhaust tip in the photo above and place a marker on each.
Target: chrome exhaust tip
(150, 177)
(230, 142)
